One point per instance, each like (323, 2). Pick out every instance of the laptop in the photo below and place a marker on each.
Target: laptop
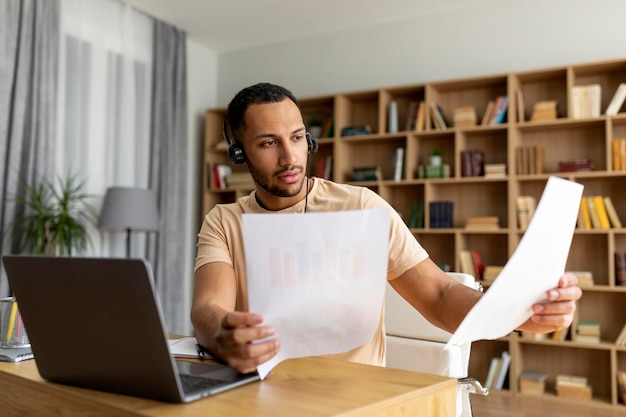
(97, 323)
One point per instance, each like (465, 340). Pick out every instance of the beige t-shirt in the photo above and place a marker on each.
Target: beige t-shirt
(220, 240)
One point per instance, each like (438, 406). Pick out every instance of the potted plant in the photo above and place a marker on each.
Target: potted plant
(55, 219)
(435, 158)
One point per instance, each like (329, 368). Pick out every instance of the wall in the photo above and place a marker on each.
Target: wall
(201, 95)
(498, 38)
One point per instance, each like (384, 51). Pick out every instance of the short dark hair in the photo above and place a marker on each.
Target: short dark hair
(260, 93)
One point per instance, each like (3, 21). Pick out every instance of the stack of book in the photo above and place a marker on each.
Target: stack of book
(490, 273)
(586, 101)
(482, 223)
(239, 180)
(544, 110)
(465, 116)
(588, 332)
(532, 382)
(576, 165)
(618, 148)
(433, 171)
(495, 170)
(585, 278)
(367, 174)
(356, 130)
(529, 160)
(574, 387)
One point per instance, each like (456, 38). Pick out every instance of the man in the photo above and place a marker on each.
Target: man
(267, 133)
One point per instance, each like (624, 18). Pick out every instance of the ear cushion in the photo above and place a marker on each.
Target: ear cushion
(312, 143)
(236, 154)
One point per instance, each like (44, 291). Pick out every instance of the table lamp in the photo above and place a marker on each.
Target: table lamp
(129, 209)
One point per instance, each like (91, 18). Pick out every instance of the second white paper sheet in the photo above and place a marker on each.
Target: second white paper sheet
(535, 267)
(317, 278)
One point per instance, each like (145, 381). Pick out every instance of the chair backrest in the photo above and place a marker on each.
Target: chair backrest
(401, 319)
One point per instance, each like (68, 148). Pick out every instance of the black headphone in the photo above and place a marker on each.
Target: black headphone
(238, 156)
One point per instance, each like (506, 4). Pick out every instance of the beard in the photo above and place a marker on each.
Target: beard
(263, 181)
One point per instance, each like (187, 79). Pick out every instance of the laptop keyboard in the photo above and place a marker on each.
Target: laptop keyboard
(195, 383)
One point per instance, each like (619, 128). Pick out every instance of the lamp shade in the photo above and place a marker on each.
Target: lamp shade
(127, 208)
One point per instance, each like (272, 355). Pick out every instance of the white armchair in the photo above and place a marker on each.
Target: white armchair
(415, 344)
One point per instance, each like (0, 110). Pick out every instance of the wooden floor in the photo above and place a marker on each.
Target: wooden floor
(500, 405)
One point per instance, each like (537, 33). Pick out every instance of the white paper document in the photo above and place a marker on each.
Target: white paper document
(317, 278)
(535, 267)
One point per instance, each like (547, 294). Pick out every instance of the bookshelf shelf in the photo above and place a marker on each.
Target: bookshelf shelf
(562, 138)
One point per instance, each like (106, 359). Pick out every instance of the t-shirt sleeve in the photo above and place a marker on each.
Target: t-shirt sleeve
(212, 243)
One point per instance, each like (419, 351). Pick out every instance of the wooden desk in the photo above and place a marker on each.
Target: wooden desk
(298, 387)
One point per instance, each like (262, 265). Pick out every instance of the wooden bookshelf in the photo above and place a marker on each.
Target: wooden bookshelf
(562, 138)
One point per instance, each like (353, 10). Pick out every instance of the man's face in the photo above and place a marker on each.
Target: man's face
(276, 150)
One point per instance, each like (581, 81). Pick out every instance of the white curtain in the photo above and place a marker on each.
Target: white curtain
(104, 104)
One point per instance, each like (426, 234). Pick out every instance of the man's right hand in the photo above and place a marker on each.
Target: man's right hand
(240, 341)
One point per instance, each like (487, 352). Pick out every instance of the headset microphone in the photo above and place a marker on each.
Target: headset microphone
(312, 147)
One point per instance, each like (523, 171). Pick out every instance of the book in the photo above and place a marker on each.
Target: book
(392, 121)
(525, 206)
(544, 110)
(617, 101)
(621, 338)
(505, 361)
(620, 268)
(533, 382)
(612, 213)
(593, 213)
(482, 223)
(502, 105)
(491, 272)
(584, 218)
(417, 215)
(479, 266)
(621, 386)
(438, 117)
(411, 116)
(467, 263)
(465, 116)
(16, 354)
(488, 113)
(519, 104)
(398, 164)
(603, 217)
(420, 123)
